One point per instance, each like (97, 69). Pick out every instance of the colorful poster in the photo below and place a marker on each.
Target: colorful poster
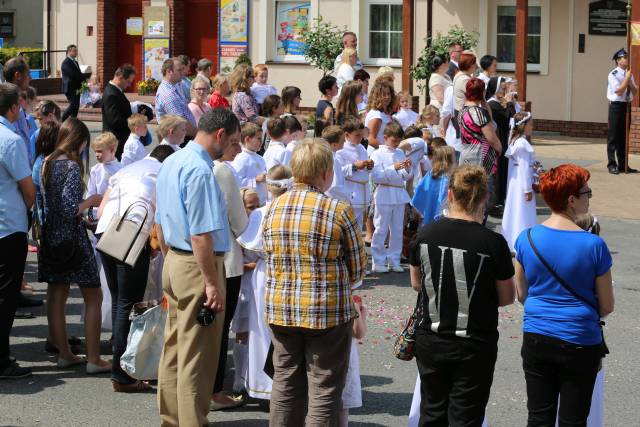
(233, 21)
(292, 21)
(156, 51)
(134, 26)
(156, 29)
(229, 54)
(635, 33)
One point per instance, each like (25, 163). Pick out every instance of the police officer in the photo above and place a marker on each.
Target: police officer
(620, 90)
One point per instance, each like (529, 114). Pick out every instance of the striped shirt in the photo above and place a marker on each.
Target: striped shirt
(315, 253)
(170, 100)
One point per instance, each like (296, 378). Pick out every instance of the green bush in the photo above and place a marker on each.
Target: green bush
(34, 57)
(323, 43)
(439, 46)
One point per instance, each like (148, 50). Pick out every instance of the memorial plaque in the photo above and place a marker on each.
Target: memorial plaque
(608, 18)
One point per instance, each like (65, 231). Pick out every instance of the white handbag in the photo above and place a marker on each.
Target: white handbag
(124, 239)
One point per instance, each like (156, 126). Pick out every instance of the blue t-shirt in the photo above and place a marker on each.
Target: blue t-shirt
(430, 196)
(578, 258)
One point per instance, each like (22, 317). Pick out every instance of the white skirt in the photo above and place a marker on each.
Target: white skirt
(352, 393)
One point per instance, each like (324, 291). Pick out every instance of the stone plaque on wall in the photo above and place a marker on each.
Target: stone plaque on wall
(608, 18)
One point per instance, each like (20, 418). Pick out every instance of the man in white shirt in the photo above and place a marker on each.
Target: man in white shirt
(349, 39)
(620, 91)
(455, 49)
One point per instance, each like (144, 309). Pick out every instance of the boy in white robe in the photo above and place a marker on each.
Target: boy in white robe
(390, 172)
(295, 133)
(172, 130)
(276, 152)
(356, 175)
(251, 167)
(335, 137)
(138, 138)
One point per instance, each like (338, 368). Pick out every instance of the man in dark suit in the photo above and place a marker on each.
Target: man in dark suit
(72, 79)
(116, 108)
(454, 56)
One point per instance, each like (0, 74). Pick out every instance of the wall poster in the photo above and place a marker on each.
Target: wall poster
(292, 21)
(234, 33)
(156, 51)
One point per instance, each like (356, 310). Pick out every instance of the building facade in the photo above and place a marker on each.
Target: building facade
(21, 23)
(567, 70)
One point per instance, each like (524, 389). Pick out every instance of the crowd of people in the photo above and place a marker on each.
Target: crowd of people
(261, 231)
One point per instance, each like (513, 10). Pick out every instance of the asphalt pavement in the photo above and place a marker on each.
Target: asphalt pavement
(68, 397)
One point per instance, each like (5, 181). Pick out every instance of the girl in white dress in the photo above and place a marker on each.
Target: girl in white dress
(520, 207)
(405, 115)
(257, 382)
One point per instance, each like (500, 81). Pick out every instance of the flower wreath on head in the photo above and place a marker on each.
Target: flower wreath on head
(513, 124)
(281, 183)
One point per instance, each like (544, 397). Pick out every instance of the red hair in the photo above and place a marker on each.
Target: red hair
(474, 90)
(467, 60)
(559, 183)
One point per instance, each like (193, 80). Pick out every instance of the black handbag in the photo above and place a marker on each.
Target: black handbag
(565, 285)
(404, 347)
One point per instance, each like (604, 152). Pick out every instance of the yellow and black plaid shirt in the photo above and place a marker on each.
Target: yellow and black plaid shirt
(314, 254)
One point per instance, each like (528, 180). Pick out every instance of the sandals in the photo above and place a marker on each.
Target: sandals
(135, 387)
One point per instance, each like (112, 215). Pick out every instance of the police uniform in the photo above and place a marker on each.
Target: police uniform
(618, 107)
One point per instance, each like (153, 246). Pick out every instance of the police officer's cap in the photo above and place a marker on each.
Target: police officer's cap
(619, 54)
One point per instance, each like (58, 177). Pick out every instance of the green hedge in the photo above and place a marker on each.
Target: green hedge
(34, 57)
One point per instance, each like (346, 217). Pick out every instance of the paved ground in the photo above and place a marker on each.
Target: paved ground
(69, 398)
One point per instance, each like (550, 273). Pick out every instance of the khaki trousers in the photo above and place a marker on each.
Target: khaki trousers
(190, 355)
(310, 373)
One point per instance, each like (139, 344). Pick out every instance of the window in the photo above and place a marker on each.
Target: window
(506, 35)
(383, 29)
(292, 21)
(7, 24)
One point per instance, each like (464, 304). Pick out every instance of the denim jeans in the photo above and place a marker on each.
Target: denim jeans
(555, 368)
(127, 285)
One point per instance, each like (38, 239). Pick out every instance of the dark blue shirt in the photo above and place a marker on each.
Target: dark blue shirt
(578, 258)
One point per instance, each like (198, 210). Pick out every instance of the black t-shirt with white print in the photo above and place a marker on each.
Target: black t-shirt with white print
(460, 262)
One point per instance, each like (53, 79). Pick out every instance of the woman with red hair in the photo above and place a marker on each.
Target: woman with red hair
(563, 278)
(480, 143)
(466, 67)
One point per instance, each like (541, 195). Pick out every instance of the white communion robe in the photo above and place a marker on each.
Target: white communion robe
(248, 165)
(518, 213)
(356, 182)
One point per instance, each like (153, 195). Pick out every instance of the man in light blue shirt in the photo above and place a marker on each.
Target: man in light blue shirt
(17, 194)
(16, 71)
(192, 219)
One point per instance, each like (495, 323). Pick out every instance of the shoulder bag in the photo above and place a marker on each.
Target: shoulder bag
(565, 285)
(404, 347)
(124, 239)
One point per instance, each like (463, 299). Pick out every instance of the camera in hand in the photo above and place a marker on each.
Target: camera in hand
(206, 316)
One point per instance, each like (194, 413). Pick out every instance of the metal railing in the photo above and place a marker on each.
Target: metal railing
(46, 57)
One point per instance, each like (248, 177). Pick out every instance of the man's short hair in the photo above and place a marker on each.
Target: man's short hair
(8, 97)
(167, 65)
(486, 61)
(219, 118)
(71, 46)
(15, 65)
(161, 152)
(276, 128)
(393, 130)
(184, 59)
(125, 71)
(310, 159)
(332, 134)
(204, 63)
(348, 33)
(326, 83)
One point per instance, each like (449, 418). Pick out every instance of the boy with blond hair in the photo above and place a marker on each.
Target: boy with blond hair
(172, 130)
(104, 147)
(138, 139)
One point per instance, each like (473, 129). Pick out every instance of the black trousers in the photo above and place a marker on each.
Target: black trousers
(127, 286)
(73, 107)
(554, 368)
(14, 254)
(616, 135)
(456, 375)
(231, 301)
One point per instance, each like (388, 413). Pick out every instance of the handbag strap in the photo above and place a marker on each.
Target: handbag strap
(559, 279)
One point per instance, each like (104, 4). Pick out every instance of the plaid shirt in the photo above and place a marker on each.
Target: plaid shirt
(314, 254)
(169, 100)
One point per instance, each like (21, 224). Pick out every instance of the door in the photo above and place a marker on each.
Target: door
(128, 48)
(201, 30)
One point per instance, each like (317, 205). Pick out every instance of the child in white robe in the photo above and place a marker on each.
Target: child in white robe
(172, 130)
(276, 152)
(249, 165)
(520, 206)
(104, 147)
(257, 382)
(138, 138)
(354, 155)
(405, 115)
(415, 147)
(295, 133)
(335, 137)
(390, 172)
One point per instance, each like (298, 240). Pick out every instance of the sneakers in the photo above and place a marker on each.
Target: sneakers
(14, 371)
(380, 269)
(397, 269)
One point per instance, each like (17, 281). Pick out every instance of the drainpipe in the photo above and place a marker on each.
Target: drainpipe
(48, 54)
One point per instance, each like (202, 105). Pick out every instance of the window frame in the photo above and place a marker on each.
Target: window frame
(543, 67)
(13, 23)
(364, 42)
